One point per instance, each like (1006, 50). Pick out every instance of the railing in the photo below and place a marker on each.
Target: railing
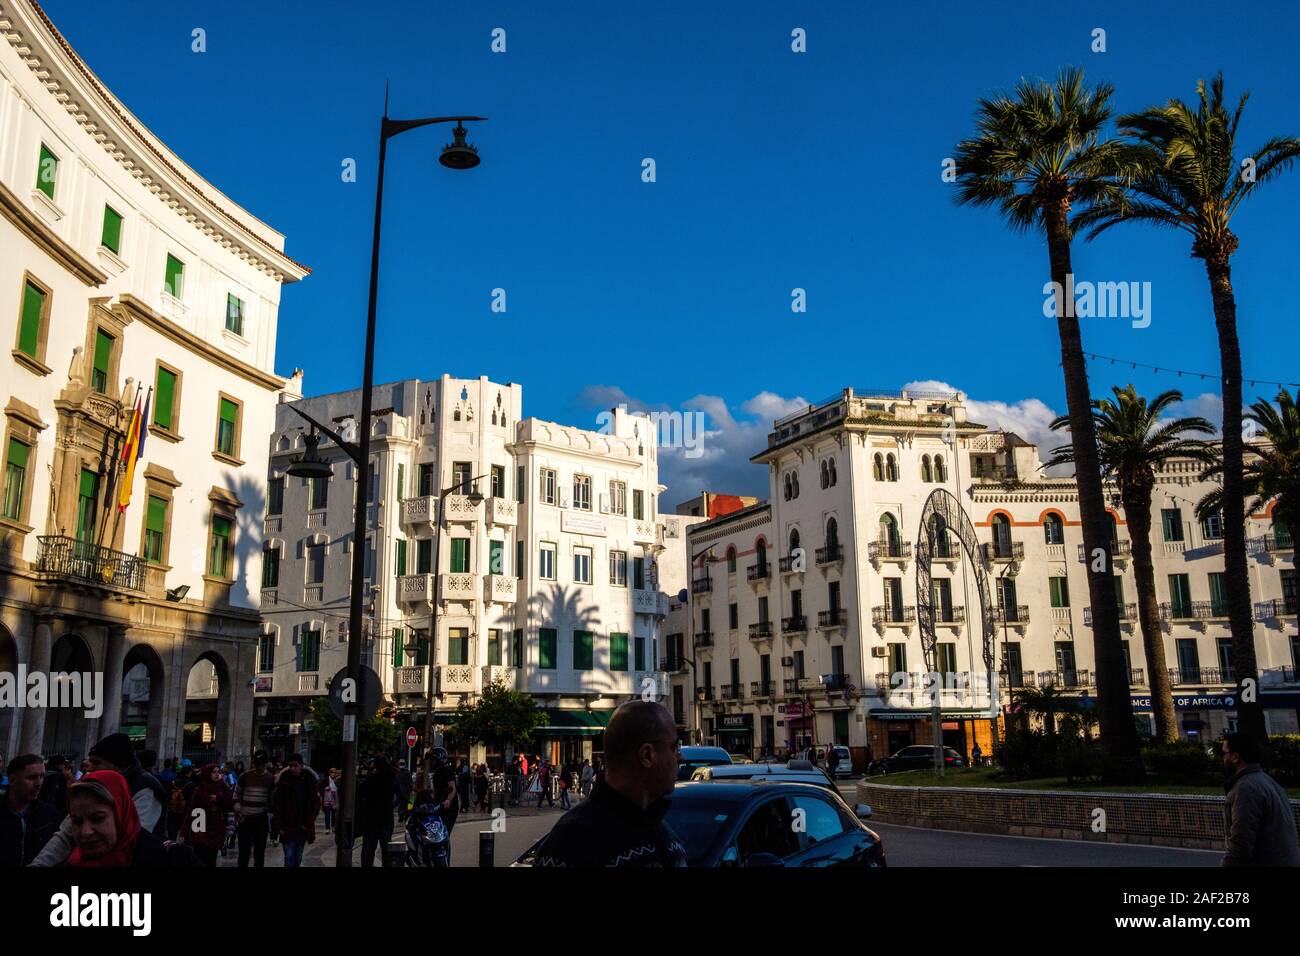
(830, 554)
(645, 601)
(787, 564)
(1177, 612)
(456, 679)
(461, 508)
(998, 473)
(758, 572)
(415, 587)
(836, 682)
(1201, 675)
(1270, 676)
(1020, 679)
(1012, 614)
(704, 693)
(308, 682)
(794, 624)
(457, 586)
(1137, 677)
(701, 585)
(703, 638)
(1118, 549)
(70, 558)
(500, 588)
(887, 550)
(1127, 612)
(420, 508)
(882, 615)
(494, 673)
(502, 511)
(732, 692)
(1065, 678)
(790, 686)
(760, 629)
(950, 615)
(762, 688)
(945, 550)
(1009, 551)
(835, 617)
(1277, 607)
(644, 531)
(674, 664)
(410, 679)
(1278, 542)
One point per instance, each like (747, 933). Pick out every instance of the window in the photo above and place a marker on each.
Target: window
(1007, 598)
(174, 277)
(1060, 588)
(103, 359)
(87, 505)
(399, 651)
(893, 598)
(519, 559)
(1213, 526)
(34, 321)
(618, 497)
(399, 557)
(582, 565)
(320, 493)
(228, 427)
(461, 474)
(494, 647)
(1065, 662)
(826, 475)
(618, 568)
(940, 598)
(155, 531)
(496, 557)
(638, 573)
(110, 235)
(309, 651)
(940, 471)
(582, 492)
(1189, 661)
(166, 399)
(638, 505)
(731, 560)
(1053, 530)
(458, 645)
(401, 481)
(546, 561)
(426, 479)
(832, 534)
(878, 467)
(234, 314)
(15, 478)
(548, 486)
(926, 473)
(794, 541)
(733, 616)
(1180, 595)
(47, 172)
(1171, 520)
(947, 657)
(891, 468)
(889, 534)
(617, 652)
(517, 648)
(219, 556)
(763, 609)
(315, 564)
(1014, 665)
(1227, 672)
(796, 603)
(459, 556)
(521, 483)
(897, 658)
(582, 650)
(265, 653)
(546, 642)
(424, 556)
(498, 481)
(1218, 594)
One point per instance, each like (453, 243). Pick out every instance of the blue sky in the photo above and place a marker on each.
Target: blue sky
(775, 170)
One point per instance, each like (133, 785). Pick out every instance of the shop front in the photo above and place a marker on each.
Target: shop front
(1201, 717)
(890, 730)
(735, 733)
(569, 736)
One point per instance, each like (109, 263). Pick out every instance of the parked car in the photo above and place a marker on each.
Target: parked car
(740, 758)
(696, 757)
(750, 823)
(916, 757)
(843, 761)
(800, 772)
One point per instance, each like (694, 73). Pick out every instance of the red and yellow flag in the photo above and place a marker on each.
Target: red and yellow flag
(129, 456)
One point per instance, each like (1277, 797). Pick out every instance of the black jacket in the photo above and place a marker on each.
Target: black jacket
(609, 830)
(375, 801)
(137, 779)
(22, 837)
(150, 851)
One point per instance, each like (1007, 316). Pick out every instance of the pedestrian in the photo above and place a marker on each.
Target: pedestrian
(523, 765)
(564, 792)
(375, 798)
(404, 786)
(252, 802)
(976, 755)
(588, 773)
(1258, 823)
(329, 796)
(26, 822)
(544, 784)
(442, 783)
(54, 788)
(832, 762)
(481, 788)
(204, 828)
(295, 805)
(107, 828)
(622, 824)
(464, 784)
(512, 781)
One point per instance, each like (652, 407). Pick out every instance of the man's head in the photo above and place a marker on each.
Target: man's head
(148, 760)
(259, 760)
(295, 764)
(1239, 750)
(26, 774)
(641, 749)
(114, 752)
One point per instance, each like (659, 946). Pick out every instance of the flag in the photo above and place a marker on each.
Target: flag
(144, 425)
(129, 454)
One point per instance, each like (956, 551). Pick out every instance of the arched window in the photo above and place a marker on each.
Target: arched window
(1282, 538)
(1114, 531)
(889, 533)
(1053, 530)
(761, 550)
(794, 475)
(826, 475)
(940, 543)
(731, 560)
(794, 540)
(891, 468)
(1002, 536)
(926, 474)
(940, 472)
(878, 467)
(787, 487)
(832, 469)
(832, 534)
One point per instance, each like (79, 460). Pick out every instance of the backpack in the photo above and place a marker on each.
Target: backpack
(177, 801)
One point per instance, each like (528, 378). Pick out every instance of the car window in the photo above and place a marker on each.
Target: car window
(696, 825)
(819, 820)
(769, 829)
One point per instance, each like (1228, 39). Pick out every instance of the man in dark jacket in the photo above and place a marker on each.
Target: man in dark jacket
(54, 790)
(1258, 822)
(26, 822)
(405, 783)
(622, 824)
(295, 804)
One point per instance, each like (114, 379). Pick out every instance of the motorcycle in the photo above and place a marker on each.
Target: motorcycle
(428, 841)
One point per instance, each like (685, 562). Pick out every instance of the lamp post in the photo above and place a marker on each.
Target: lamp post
(457, 154)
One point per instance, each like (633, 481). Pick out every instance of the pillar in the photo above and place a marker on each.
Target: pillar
(33, 734)
(110, 721)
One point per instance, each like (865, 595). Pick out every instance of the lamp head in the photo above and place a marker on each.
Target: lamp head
(311, 465)
(459, 154)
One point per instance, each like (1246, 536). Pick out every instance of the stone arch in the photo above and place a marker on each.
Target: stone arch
(141, 696)
(209, 699)
(956, 521)
(10, 717)
(67, 729)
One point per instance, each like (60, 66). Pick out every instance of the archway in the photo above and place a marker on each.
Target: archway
(9, 722)
(67, 728)
(141, 700)
(207, 709)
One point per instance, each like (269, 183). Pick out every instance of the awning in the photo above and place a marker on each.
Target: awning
(573, 723)
(134, 731)
(925, 715)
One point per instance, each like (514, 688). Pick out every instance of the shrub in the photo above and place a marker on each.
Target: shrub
(1082, 761)
(1029, 753)
(1184, 762)
(1284, 764)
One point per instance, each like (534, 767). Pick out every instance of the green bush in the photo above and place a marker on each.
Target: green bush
(1184, 762)
(1284, 763)
(1082, 761)
(1029, 753)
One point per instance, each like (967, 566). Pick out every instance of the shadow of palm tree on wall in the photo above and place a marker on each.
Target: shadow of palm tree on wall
(566, 610)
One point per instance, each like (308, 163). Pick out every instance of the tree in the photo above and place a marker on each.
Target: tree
(500, 715)
(1048, 703)
(376, 734)
(1037, 155)
(1132, 443)
(1188, 178)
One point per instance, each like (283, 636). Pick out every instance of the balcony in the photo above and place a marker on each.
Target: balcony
(704, 693)
(1128, 613)
(702, 586)
(415, 588)
(497, 673)
(892, 552)
(796, 624)
(1137, 677)
(410, 680)
(1015, 615)
(1121, 551)
(946, 552)
(1177, 611)
(1195, 676)
(456, 679)
(883, 617)
(501, 511)
(731, 692)
(500, 588)
(995, 473)
(787, 566)
(1274, 676)
(1275, 609)
(68, 559)
(460, 509)
(791, 686)
(760, 631)
(421, 510)
(996, 551)
(1019, 680)
(457, 586)
(835, 617)
(644, 532)
(1278, 543)
(1066, 678)
(836, 682)
(674, 664)
(645, 601)
(830, 554)
(758, 572)
(703, 638)
(309, 682)
(760, 689)
(953, 616)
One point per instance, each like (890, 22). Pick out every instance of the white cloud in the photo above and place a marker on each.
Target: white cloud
(1030, 418)
(1208, 405)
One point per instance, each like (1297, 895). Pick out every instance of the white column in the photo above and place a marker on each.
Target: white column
(114, 649)
(33, 733)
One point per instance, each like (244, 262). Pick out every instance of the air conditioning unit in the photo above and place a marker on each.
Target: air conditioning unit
(880, 652)
(787, 662)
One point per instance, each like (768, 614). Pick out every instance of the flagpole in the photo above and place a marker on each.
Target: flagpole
(126, 466)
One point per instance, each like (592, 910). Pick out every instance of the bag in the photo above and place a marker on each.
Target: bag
(177, 801)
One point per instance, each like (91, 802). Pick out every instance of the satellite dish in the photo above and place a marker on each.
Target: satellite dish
(369, 691)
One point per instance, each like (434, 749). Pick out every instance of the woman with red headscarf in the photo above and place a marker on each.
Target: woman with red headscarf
(107, 828)
(204, 827)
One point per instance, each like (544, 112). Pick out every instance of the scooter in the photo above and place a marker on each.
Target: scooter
(428, 841)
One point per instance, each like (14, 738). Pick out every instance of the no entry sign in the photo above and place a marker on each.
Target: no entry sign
(411, 736)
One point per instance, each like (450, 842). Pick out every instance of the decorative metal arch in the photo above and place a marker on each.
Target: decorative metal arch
(944, 505)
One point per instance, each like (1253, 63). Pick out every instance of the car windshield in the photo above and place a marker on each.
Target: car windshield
(697, 824)
(687, 767)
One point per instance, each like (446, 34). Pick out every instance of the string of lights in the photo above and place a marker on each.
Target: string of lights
(1253, 381)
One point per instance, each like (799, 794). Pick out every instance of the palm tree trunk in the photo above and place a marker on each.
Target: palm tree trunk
(1137, 509)
(1123, 757)
(1250, 711)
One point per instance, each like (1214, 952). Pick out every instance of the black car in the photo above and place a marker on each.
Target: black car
(752, 823)
(917, 757)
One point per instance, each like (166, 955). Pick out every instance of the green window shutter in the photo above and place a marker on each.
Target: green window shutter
(18, 453)
(110, 236)
(164, 398)
(15, 478)
(29, 337)
(423, 555)
(226, 429)
(397, 646)
(87, 505)
(271, 568)
(401, 556)
(618, 652)
(103, 353)
(458, 646)
(459, 555)
(401, 481)
(517, 658)
(47, 172)
(229, 411)
(234, 313)
(219, 565)
(640, 653)
(582, 650)
(275, 496)
(174, 277)
(546, 648)
(156, 516)
(1218, 593)
(496, 557)
(1060, 592)
(494, 648)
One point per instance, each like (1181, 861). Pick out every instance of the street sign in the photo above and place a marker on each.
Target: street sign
(809, 683)
(368, 692)
(412, 735)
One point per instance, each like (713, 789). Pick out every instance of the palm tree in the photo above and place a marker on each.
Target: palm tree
(1047, 702)
(1036, 156)
(1189, 179)
(1134, 443)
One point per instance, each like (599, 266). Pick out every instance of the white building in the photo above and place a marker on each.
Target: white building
(804, 609)
(550, 583)
(122, 270)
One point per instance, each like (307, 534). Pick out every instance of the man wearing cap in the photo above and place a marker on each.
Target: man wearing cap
(252, 803)
(115, 752)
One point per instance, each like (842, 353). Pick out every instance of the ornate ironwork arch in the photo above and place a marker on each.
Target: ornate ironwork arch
(945, 507)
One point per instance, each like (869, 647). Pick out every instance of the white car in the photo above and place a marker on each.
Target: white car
(798, 771)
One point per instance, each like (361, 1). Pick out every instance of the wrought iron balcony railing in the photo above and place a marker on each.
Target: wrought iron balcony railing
(762, 688)
(75, 560)
(1127, 612)
(794, 624)
(760, 629)
(830, 554)
(703, 638)
(1201, 675)
(732, 692)
(1003, 551)
(881, 615)
(836, 617)
(701, 585)
(1276, 608)
(758, 572)
(1011, 614)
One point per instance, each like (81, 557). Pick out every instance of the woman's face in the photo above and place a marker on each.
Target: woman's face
(216, 775)
(94, 827)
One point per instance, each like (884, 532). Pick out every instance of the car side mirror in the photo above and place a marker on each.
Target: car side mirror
(763, 859)
(863, 811)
